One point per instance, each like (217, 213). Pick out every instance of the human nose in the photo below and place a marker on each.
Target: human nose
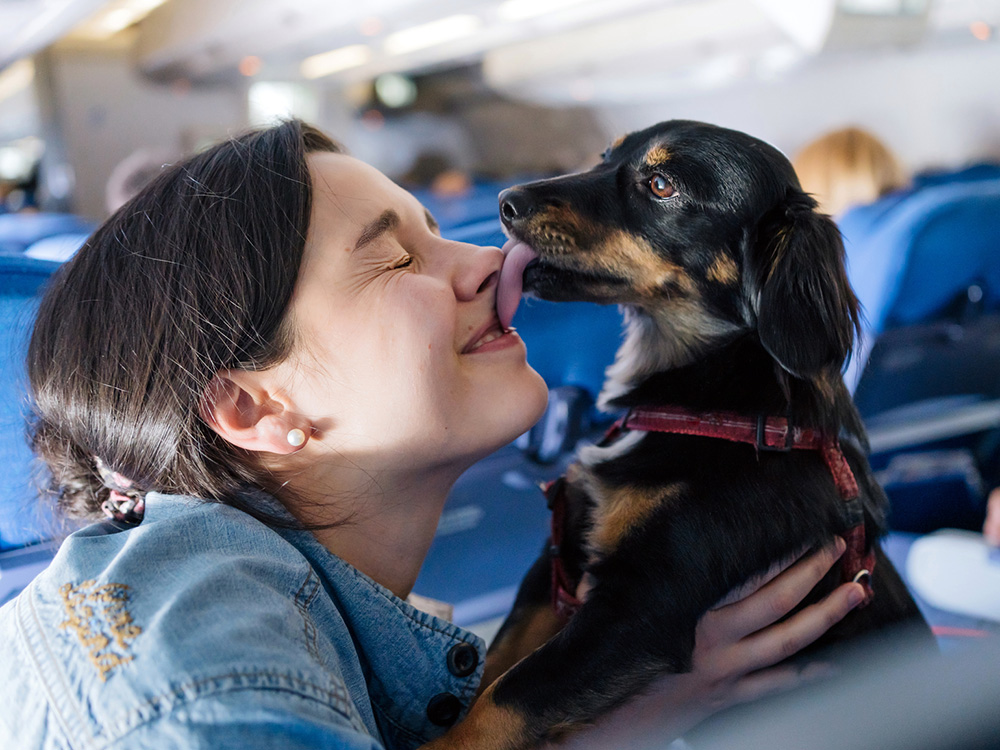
(477, 270)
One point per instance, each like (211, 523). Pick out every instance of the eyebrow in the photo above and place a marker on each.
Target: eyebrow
(386, 222)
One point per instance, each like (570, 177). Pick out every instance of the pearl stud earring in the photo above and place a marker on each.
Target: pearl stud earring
(296, 437)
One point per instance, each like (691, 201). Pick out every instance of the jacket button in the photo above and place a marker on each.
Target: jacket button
(443, 709)
(463, 659)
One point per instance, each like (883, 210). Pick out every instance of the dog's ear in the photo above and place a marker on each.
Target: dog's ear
(806, 312)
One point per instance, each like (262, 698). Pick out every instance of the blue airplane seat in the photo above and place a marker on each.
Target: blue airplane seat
(911, 255)
(57, 247)
(570, 343)
(479, 204)
(21, 230)
(971, 173)
(954, 247)
(927, 381)
(22, 521)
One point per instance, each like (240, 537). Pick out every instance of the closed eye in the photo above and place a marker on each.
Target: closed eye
(407, 261)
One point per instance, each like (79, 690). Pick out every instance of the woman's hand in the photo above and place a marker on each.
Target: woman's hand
(991, 528)
(737, 644)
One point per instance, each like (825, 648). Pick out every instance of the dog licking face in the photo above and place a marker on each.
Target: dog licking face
(701, 233)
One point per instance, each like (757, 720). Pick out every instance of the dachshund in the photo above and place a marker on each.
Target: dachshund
(741, 447)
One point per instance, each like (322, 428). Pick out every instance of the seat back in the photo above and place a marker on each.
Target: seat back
(956, 245)
(909, 262)
(19, 231)
(22, 520)
(911, 255)
(480, 203)
(972, 173)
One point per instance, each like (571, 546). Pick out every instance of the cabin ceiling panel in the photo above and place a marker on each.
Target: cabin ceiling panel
(27, 26)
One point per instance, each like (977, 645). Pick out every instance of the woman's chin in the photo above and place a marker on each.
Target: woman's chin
(527, 410)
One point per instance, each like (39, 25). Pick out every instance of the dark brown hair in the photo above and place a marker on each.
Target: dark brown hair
(191, 276)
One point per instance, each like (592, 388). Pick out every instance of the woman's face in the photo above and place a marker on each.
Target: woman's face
(400, 362)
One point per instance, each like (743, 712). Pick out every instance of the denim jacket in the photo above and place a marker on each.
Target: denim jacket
(204, 628)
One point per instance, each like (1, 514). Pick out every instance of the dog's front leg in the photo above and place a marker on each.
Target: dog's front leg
(530, 623)
(604, 656)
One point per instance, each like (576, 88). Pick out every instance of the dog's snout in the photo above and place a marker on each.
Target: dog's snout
(515, 206)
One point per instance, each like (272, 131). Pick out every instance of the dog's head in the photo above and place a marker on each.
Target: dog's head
(704, 232)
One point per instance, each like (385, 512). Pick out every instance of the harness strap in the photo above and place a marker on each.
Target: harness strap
(564, 600)
(765, 434)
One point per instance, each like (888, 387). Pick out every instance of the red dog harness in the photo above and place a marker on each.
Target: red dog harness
(764, 433)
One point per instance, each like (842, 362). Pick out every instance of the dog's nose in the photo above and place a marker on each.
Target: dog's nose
(515, 206)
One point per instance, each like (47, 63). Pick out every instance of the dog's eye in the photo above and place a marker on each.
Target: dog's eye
(661, 186)
(408, 260)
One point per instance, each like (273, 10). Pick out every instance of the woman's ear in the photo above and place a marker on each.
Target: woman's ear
(806, 312)
(240, 410)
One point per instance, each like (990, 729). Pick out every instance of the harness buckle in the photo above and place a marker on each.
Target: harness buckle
(761, 438)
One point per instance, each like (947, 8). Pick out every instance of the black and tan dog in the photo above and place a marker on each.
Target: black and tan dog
(737, 306)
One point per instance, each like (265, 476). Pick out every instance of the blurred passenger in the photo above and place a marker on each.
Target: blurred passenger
(21, 197)
(24, 197)
(991, 527)
(133, 173)
(128, 177)
(437, 173)
(848, 167)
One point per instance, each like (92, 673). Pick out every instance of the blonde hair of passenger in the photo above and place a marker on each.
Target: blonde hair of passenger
(848, 167)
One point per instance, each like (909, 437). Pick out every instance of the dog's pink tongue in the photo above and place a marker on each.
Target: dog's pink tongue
(518, 256)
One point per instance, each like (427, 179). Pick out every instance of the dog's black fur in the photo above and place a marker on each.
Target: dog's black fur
(736, 299)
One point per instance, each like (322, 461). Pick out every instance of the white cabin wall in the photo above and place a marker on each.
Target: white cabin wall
(938, 108)
(107, 111)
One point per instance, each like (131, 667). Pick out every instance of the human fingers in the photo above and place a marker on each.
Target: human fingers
(779, 642)
(779, 596)
(776, 680)
(991, 529)
(757, 582)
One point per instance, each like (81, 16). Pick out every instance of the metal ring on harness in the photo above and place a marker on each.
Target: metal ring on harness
(861, 575)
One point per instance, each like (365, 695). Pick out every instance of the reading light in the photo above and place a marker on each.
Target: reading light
(431, 34)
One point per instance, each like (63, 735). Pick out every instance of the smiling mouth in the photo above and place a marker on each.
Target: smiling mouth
(491, 334)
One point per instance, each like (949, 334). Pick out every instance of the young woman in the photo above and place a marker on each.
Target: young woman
(269, 368)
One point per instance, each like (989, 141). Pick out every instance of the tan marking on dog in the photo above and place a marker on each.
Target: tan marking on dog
(534, 626)
(635, 260)
(619, 141)
(617, 509)
(723, 270)
(657, 155)
(621, 510)
(780, 241)
(556, 230)
(580, 244)
(487, 727)
(564, 217)
(826, 383)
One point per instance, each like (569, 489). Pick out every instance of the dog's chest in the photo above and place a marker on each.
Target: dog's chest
(617, 510)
